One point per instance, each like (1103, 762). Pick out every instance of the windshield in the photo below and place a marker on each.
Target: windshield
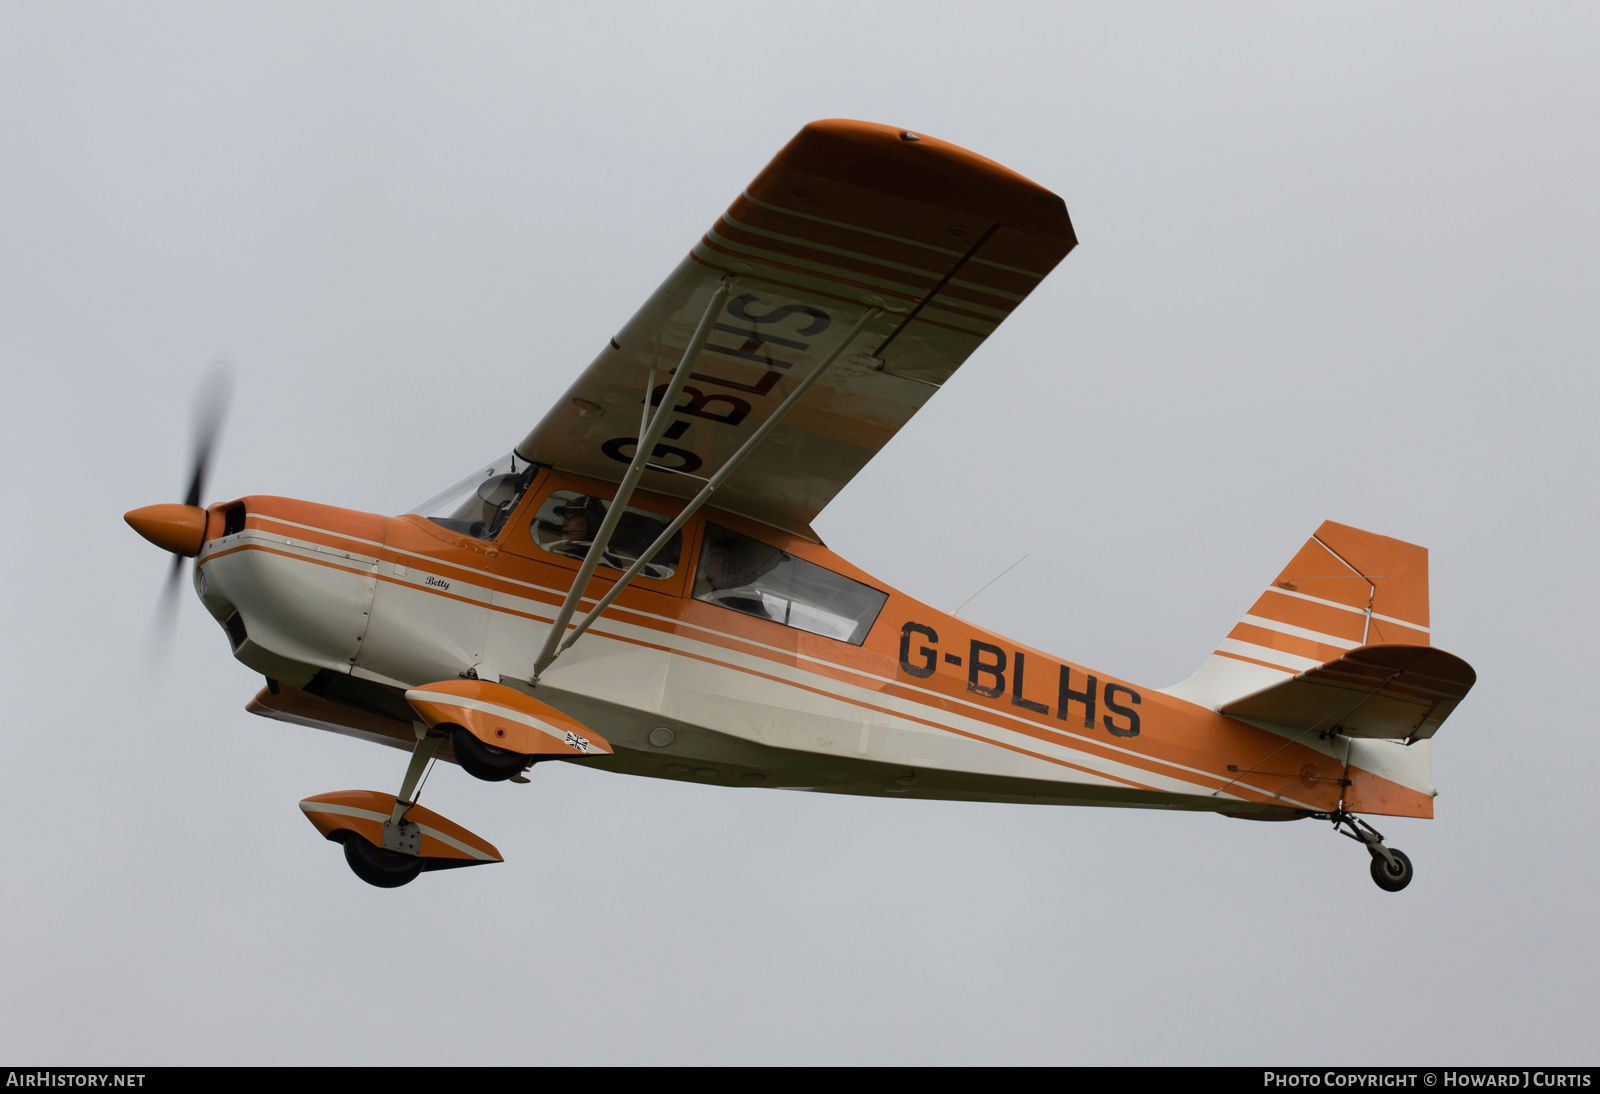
(479, 504)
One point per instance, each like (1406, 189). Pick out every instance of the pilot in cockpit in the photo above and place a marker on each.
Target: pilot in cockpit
(580, 520)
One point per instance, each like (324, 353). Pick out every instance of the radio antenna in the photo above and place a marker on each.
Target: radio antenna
(991, 581)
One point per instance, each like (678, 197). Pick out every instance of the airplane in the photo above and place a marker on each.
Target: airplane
(637, 586)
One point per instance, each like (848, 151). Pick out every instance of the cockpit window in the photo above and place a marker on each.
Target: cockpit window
(749, 576)
(479, 504)
(567, 522)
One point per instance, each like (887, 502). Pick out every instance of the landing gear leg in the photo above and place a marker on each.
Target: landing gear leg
(427, 744)
(1391, 869)
(395, 863)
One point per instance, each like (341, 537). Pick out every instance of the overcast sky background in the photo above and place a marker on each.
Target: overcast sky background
(1337, 261)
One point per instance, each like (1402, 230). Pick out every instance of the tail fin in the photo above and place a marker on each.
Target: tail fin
(1345, 588)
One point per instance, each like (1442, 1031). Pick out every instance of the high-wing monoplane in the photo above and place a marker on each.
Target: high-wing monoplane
(636, 585)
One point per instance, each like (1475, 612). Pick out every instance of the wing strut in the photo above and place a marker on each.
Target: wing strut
(636, 468)
(657, 426)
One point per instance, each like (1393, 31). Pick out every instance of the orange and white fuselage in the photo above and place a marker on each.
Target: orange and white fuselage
(675, 484)
(344, 611)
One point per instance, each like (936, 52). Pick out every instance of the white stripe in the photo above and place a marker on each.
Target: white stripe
(324, 531)
(317, 547)
(1401, 622)
(416, 578)
(367, 814)
(343, 811)
(328, 556)
(430, 559)
(510, 714)
(1290, 661)
(464, 848)
(1344, 607)
(1300, 632)
(1315, 600)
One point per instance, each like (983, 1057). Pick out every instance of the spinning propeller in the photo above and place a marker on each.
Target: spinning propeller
(181, 528)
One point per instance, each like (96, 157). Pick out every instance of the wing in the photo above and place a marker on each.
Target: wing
(849, 216)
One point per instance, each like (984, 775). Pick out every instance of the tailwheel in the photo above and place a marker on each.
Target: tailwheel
(1391, 869)
(1392, 874)
(376, 866)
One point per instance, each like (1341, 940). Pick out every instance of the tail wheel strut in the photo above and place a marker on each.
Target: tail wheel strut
(1391, 869)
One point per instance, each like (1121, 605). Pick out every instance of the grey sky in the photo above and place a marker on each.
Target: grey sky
(1337, 262)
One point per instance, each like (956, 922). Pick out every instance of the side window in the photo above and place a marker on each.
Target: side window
(567, 522)
(749, 576)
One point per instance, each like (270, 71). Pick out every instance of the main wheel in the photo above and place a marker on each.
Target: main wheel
(376, 866)
(483, 761)
(1388, 877)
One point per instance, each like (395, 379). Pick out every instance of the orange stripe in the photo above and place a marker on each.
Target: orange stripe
(1275, 605)
(1253, 661)
(1288, 643)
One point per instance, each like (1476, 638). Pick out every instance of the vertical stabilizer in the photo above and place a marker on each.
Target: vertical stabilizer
(1345, 588)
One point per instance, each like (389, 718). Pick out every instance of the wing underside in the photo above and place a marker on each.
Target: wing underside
(850, 216)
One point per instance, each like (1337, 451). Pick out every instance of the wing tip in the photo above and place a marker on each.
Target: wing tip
(913, 165)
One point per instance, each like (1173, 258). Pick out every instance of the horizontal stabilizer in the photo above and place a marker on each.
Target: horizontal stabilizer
(1373, 691)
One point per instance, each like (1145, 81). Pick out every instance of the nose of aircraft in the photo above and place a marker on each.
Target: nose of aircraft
(180, 529)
